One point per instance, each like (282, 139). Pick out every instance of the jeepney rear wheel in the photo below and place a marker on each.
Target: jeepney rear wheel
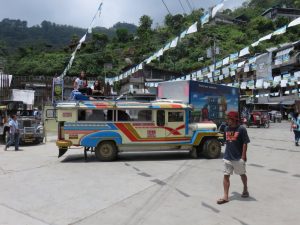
(106, 151)
(212, 149)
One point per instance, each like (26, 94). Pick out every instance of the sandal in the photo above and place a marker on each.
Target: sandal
(245, 194)
(222, 201)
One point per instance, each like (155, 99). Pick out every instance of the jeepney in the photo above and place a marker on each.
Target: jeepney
(30, 127)
(109, 127)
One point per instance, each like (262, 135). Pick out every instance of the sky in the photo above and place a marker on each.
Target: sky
(79, 13)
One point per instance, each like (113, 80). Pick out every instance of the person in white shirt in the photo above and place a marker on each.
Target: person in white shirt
(81, 84)
(13, 133)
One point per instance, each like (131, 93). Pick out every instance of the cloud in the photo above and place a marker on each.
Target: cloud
(80, 12)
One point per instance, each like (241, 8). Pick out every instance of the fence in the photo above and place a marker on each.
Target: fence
(5, 81)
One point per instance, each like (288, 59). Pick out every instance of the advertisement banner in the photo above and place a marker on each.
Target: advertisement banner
(57, 89)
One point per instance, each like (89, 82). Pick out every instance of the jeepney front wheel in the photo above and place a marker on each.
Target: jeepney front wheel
(106, 151)
(211, 148)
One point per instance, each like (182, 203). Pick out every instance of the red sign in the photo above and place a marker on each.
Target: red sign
(151, 133)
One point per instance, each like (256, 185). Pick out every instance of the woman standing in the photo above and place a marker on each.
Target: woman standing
(295, 126)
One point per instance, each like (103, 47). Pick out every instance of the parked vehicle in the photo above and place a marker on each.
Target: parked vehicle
(275, 116)
(109, 127)
(31, 129)
(259, 118)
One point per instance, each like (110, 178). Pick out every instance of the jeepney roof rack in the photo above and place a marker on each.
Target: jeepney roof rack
(169, 100)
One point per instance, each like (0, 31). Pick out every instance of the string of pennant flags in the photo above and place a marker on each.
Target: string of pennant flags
(205, 18)
(82, 40)
(218, 71)
(228, 66)
(215, 71)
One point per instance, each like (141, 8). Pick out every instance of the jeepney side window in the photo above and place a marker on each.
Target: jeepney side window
(123, 116)
(94, 115)
(160, 118)
(140, 115)
(176, 116)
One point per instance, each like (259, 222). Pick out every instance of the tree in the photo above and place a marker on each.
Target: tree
(123, 35)
(144, 28)
(174, 23)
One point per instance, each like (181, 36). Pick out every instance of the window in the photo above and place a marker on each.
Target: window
(50, 113)
(175, 117)
(160, 120)
(94, 115)
(135, 115)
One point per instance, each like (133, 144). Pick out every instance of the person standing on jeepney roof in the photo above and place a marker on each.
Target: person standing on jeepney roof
(98, 88)
(81, 84)
(235, 156)
(13, 133)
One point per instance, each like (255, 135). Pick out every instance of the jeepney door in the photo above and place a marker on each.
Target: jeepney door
(49, 119)
(175, 123)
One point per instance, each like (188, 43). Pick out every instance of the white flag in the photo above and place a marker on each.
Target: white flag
(255, 44)
(160, 53)
(82, 39)
(192, 29)
(294, 22)
(216, 9)
(281, 30)
(174, 43)
(167, 46)
(226, 61)
(244, 52)
(182, 35)
(204, 19)
(140, 66)
(267, 37)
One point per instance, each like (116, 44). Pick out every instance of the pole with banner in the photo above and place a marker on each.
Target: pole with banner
(57, 90)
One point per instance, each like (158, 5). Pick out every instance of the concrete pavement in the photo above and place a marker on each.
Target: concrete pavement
(150, 188)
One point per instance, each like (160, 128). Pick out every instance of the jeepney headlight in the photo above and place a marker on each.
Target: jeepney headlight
(40, 130)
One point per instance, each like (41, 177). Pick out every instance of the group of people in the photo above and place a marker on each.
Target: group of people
(82, 91)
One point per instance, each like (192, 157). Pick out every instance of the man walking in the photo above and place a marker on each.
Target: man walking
(235, 156)
(13, 133)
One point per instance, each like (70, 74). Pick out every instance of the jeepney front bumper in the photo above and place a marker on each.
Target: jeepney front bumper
(30, 135)
(63, 146)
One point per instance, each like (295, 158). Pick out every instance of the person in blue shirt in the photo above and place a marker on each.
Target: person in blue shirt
(235, 156)
(295, 126)
(13, 133)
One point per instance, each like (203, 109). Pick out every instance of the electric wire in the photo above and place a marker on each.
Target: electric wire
(166, 7)
(182, 6)
(189, 5)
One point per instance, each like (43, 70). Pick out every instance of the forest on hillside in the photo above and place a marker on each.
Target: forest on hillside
(46, 49)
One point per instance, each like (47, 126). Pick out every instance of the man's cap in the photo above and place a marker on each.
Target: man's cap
(233, 115)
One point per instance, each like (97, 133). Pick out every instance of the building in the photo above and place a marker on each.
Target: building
(276, 12)
(221, 18)
(271, 80)
(143, 81)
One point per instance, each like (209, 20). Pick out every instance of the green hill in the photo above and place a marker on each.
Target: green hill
(46, 49)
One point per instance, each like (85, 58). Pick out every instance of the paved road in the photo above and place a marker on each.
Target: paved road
(36, 188)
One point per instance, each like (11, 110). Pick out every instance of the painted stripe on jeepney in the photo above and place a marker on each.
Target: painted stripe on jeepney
(133, 136)
(90, 126)
(197, 137)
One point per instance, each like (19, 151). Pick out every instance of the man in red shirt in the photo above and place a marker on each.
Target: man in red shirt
(235, 156)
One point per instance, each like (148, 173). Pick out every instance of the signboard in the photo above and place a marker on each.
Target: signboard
(57, 89)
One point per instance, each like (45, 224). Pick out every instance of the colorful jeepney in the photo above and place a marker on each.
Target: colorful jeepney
(109, 127)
